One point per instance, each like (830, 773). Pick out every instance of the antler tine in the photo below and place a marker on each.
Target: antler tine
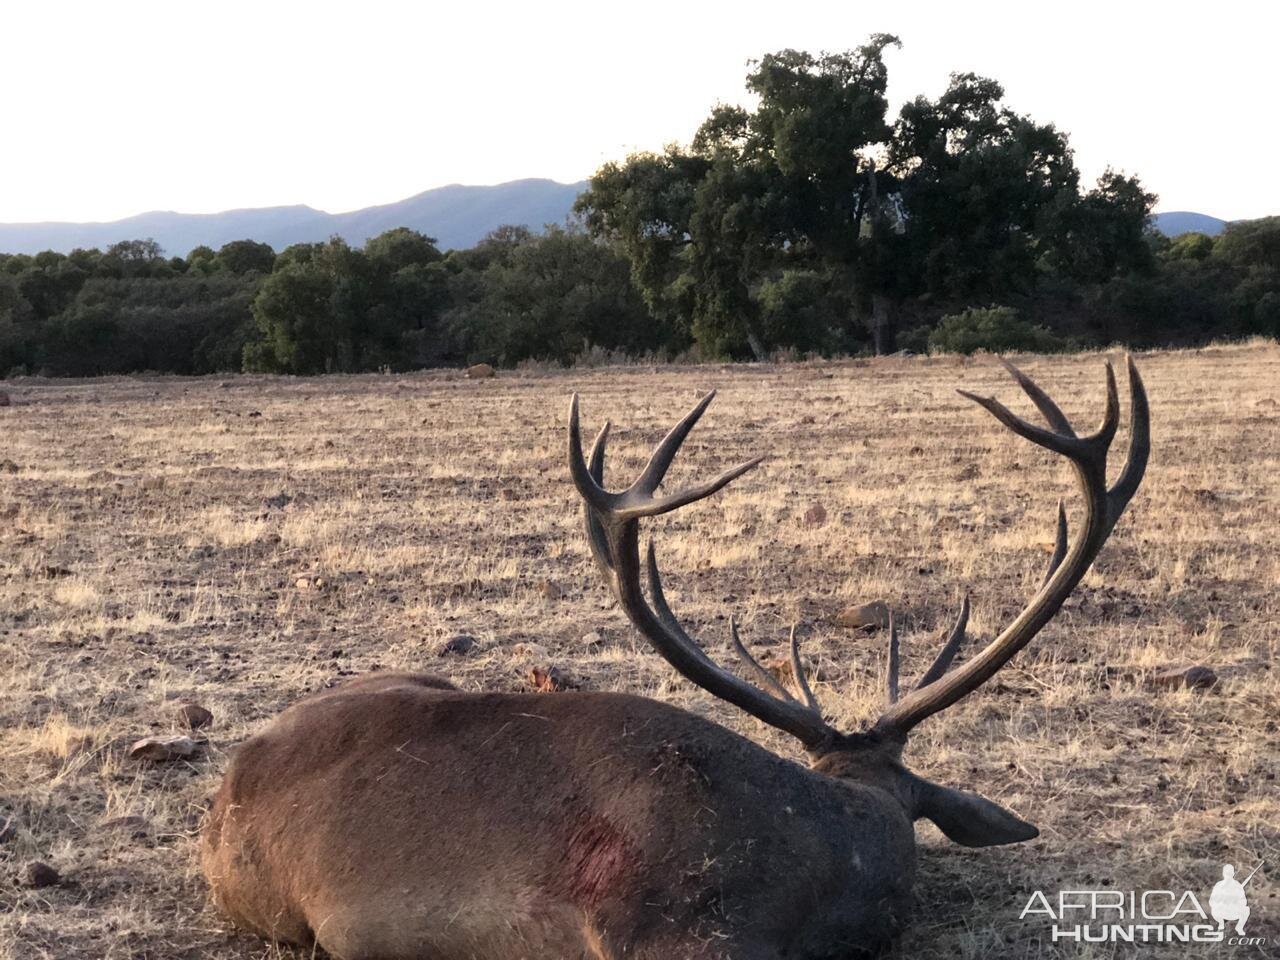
(634, 502)
(1069, 563)
(613, 527)
(1106, 431)
(764, 676)
(797, 674)
(588, 487)
(654, 506)
(955, 639)
(665, 452)
(595, 462)
(1059, 544)
(1044, 403)
(1070, 447)
(1135, 465)
(892, 682)
(595, 532)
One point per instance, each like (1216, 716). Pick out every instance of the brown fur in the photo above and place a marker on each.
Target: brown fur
(396, 817)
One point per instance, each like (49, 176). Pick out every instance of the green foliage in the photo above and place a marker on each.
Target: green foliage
(519, 297)
(1103, 234)
(400, 248)
(244, 256)
(1190, 246)
(979, 188)
(1251, 244)
(799, 310)
(812, 221)
(996, 329)
(301, 332)
(644, 208)
(957, 200)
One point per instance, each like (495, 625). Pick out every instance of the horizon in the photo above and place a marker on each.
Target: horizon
(444, 186)
(291, 206)
(340, 114)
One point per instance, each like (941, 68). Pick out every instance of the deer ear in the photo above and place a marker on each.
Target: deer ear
(967, 818)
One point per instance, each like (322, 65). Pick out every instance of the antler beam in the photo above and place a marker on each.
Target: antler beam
(1103, 507)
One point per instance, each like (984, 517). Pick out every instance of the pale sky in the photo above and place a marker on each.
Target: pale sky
(112, 109)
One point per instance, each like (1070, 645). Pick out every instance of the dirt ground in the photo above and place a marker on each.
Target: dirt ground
(239, 543)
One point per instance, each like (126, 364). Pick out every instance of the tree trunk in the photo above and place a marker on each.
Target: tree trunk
(884, 332)
(884, 337)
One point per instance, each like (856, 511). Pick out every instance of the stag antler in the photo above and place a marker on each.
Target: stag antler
(612, 522)
(938, 689)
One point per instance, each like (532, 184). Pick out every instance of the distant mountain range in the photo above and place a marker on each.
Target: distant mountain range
(457, 216)
(1177, 222)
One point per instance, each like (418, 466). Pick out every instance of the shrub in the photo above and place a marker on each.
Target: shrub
(997, 329)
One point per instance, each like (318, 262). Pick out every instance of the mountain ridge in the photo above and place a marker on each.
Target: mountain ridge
(458, 215)
(1173, 223)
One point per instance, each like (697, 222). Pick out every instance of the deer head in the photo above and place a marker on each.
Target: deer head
(873, 756)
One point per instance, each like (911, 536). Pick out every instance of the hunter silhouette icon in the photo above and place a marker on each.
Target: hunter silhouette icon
(1227, 902)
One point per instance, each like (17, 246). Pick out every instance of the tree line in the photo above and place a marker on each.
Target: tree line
(813, 223)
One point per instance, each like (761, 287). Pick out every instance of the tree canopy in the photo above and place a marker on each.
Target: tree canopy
(957, 200)
(811, 221)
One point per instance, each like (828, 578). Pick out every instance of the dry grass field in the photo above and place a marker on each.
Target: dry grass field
(242, 543)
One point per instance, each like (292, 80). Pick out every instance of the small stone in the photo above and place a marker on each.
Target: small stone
(1195, 677)
(593, 639)
(163, 749)
(303, 583)
(526, 649)
(38, 874)
(479, 371)
(460, 646)
(508, 493)
(815, 516)
(863, 615)
(549, 680)
(194, 716)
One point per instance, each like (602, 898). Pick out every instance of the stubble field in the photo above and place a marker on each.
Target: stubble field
(241, 543)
